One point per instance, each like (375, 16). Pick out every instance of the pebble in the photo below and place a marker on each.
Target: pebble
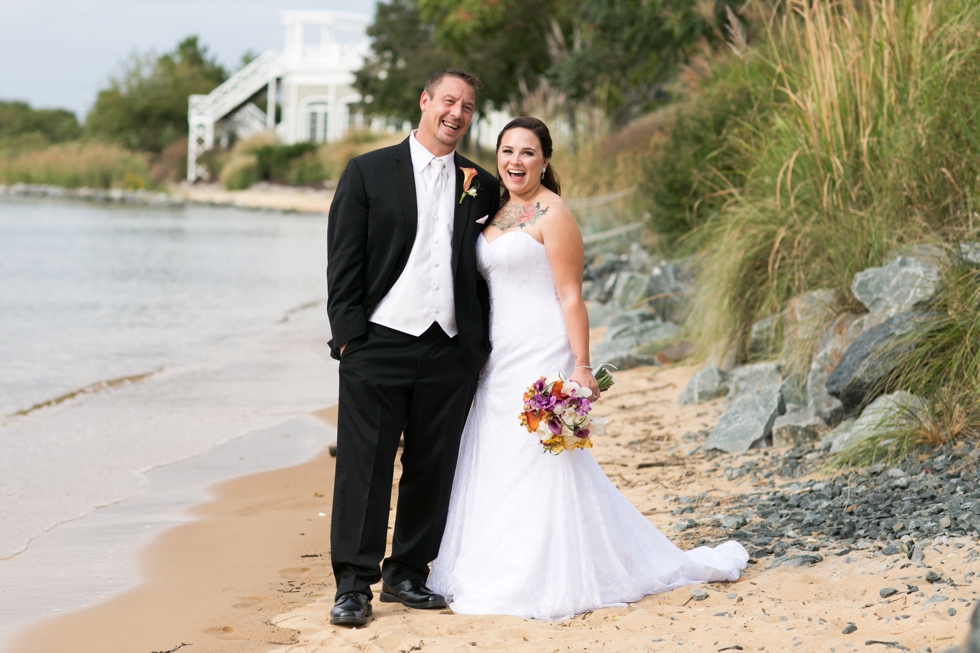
(860, 509)
(733, 595)
(951, 612)
(888, 591)
(849, 629)
(933, 577)
(699, 594)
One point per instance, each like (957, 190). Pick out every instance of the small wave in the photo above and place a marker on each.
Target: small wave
(90, 389)
(302, 307)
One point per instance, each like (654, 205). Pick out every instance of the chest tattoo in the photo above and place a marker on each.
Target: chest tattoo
(518, 215)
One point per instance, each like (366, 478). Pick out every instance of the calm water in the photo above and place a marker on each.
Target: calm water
(223, 307)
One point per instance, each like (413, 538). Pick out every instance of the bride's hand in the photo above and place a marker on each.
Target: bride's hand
(584, 378)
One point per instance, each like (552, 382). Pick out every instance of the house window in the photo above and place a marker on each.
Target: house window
(316, 122)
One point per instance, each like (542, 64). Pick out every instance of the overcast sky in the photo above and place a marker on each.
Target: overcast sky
(59, 53)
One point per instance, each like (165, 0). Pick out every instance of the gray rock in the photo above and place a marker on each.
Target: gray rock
(699, 594)
(834, 341)
(763, 337)
(806, 316)
(709, 383)
(885, 413)
(932, 577)
(685, 524)
(887, 591)
(970, 252)
(606, 291)
(639, 259)
(748, 421)
(602, 314)
(793, 388)
(628, 333)
(668, 288)
(731, 522)
(799, 425)
(850, 628)
(935, 598)
(874, 355)
(750, 378)
(898, 287)
(629, 290)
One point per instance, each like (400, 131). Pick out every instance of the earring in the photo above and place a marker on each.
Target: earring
(543, 170)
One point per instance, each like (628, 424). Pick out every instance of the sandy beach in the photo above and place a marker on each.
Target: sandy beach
(253, 574)
(277, 198)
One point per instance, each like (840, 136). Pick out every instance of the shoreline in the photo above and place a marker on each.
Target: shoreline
(243, 578)
(97, 556)
(262, 197)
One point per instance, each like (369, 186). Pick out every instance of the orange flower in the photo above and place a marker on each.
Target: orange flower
(468, 175)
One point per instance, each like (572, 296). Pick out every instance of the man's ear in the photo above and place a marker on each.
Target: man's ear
(424, 100)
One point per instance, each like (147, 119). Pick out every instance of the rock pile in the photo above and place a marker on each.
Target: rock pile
(111, 196)
(641, 300)
(854, 354)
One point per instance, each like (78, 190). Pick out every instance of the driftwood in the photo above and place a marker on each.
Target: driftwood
(179, 646)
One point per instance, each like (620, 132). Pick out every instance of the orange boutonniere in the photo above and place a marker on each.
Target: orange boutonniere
(468, 175)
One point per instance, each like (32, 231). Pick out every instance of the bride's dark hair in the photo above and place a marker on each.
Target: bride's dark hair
(551, 180)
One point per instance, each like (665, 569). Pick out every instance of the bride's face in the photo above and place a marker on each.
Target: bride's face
(520, 161)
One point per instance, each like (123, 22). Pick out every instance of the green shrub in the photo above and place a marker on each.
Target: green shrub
(275, 161)
(241, 172)
(307, 169)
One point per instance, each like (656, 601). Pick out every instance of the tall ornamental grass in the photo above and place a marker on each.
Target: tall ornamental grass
(78, 165)
(863, 135)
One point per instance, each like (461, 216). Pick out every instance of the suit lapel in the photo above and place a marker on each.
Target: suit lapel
(462, 213)
(405, 174)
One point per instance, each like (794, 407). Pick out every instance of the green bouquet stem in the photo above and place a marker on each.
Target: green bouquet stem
(604, 379)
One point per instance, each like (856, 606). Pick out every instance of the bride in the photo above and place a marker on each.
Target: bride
(532, 534)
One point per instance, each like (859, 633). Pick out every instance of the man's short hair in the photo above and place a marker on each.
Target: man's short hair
(436, 78)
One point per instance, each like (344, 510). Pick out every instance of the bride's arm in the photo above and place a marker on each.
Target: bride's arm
(563, 243)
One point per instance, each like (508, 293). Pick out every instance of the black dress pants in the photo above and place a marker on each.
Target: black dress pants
(393, 383)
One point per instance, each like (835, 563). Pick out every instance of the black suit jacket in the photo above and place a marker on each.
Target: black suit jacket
(371, 230)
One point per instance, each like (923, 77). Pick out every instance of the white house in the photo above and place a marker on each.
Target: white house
(312, 78)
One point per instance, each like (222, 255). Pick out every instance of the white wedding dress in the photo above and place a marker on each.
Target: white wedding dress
(533, 534)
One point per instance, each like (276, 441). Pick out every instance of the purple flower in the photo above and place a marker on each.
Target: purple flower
(555, 426)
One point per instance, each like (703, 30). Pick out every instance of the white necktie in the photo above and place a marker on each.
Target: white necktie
(436, 178)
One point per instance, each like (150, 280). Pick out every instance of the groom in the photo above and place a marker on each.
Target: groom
(408, 314)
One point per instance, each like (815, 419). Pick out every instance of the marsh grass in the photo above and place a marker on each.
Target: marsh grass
(78, 165)
(861, 137)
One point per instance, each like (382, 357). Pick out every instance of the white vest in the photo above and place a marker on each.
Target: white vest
(423, 294)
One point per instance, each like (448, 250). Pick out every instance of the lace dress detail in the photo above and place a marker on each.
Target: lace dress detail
(536, 535)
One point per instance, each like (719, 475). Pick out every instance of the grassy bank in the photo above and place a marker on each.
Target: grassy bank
(807, 157)
(77, 165)
(798, 160)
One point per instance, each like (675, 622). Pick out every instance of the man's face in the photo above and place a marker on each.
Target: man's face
(446, 115)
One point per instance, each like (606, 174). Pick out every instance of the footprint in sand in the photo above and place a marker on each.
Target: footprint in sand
(293, 572)
(225, 631)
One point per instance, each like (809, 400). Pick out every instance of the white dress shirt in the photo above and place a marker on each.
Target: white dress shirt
(423, 294)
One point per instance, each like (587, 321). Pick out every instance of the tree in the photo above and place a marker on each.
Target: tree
(625, 50)
(615, 54)
(145, 106)
(500, 42)
(18, 119)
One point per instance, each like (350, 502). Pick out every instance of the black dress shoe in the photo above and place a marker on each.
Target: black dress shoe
(412, 593)
(351, 609)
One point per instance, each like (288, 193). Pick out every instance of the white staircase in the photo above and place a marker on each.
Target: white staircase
(206, 110)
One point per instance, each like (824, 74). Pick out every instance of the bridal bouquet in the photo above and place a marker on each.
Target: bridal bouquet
(559, 412)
